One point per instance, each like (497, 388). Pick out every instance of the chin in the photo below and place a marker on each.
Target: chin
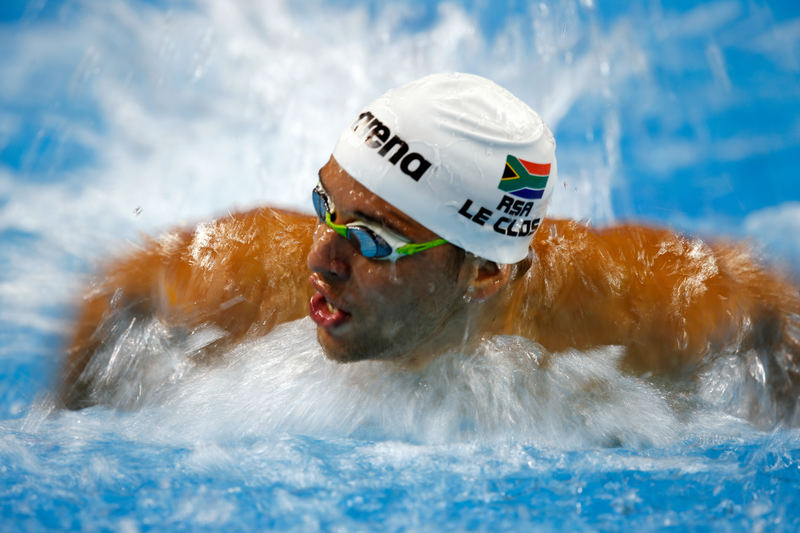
(336, 350)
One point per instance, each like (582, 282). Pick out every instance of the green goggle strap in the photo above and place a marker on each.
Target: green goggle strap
(341, 229)
(407, 249)
(412, 248)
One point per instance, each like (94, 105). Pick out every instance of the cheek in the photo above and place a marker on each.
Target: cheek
(381, 284)
(381, 287)
(406, 287)
(431, 292)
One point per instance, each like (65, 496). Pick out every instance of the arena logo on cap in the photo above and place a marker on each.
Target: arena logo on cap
(376, 135)
(524, 179)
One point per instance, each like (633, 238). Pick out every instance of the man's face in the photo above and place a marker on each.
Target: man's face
(373, 309)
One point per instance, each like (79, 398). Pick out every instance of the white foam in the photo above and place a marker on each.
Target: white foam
(508, 389)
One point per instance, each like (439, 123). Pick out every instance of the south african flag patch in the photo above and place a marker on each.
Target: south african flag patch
(524, 179)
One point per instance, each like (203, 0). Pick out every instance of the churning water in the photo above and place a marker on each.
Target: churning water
(123, 118)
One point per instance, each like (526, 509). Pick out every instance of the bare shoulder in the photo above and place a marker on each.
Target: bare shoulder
(670, 299)
(236, 275)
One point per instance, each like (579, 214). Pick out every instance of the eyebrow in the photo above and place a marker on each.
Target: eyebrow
(383, 221)
(391, 225)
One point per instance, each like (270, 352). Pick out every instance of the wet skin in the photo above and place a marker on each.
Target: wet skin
(377, 309)
(671, 301)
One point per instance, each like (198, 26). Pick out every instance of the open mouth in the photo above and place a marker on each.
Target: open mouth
(324, 313)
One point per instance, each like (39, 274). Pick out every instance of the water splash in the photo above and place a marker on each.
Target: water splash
(509, 388)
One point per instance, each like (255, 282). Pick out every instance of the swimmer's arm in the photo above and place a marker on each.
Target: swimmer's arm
(240, 275)
(671, 301)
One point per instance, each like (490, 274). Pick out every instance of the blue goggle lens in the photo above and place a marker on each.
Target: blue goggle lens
(320, 205)
(369, 244)
(365, 240)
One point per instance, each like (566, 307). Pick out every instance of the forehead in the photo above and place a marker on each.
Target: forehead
(353, 199)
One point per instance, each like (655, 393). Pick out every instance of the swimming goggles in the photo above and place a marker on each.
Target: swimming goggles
(370, 239)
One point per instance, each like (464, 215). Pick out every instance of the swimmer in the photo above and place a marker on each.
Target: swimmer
(430, 234)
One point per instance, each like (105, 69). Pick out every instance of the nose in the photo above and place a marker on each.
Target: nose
(329, 254)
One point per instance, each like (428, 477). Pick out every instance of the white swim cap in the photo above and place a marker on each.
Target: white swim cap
(460, 155)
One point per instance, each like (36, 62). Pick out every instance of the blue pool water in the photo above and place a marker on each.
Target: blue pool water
(125, 118)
